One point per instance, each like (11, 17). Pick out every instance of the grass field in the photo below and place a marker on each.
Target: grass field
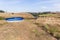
(52, 15)
(50, 23)
(45, 27)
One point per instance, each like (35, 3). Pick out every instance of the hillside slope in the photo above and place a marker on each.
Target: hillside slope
(23, 31)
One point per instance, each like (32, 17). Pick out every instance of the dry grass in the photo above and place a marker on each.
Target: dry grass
(48, 20)
(25, 15)
(25, 30)
(51, 25)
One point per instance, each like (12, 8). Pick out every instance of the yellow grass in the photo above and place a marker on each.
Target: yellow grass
(25, 30)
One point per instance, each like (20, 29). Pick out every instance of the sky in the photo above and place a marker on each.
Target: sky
(29, 5)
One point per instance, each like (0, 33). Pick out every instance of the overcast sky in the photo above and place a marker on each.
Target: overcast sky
(29, 5)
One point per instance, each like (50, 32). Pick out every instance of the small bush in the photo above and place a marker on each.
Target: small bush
(36, 32)
(2, 18)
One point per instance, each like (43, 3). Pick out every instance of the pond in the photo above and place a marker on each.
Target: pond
(14, 19)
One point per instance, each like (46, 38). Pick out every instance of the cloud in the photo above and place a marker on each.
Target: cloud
(3, 2)
(29, 5)
(48, 5)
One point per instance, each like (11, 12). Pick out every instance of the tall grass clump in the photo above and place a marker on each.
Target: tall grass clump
(2, 18)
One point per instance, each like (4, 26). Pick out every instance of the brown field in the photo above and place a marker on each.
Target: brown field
(30, 28)
(25, 15)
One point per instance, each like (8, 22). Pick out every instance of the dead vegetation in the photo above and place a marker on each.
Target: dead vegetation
(42, 28)
(51, 24)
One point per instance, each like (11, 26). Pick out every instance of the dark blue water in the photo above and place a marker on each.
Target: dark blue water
(14, 18)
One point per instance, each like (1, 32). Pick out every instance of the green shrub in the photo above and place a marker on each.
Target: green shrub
(1, 11)
(36, 32)
(2, 18)
(58, 35)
